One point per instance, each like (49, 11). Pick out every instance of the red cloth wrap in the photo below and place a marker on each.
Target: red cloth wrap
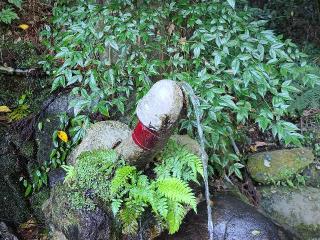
(144, 137)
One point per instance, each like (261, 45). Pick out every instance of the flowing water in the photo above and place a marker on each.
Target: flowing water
(204, 157)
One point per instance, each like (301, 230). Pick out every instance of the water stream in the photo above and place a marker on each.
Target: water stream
(204, 157)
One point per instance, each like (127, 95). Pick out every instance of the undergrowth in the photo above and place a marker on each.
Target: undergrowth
(243, 74)
(102, 177)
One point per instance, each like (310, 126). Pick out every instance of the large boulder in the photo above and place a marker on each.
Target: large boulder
(44, 138)
(299, 209)
(273, 166)
(74, 224)
(232, 219)
(101, 135)
(13, 205)
(98, 224)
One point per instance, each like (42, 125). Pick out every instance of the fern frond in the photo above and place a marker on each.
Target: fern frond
(305, 100)
(177, 190)
(121, 177)
(129, 221)
(175, 216)
(176, 161)
(70, 174)
(115, 205)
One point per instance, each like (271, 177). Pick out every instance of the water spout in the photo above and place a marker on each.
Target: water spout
(204, 157)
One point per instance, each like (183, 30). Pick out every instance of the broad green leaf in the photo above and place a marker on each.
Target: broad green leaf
(232, 3)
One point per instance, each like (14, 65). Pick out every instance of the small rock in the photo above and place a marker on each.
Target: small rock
(299, 209)
(101, 135)
(265, 167)
(56, 176)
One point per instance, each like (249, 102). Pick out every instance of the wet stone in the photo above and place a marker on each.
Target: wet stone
(5, 233)
(233, 219)
(296, 208)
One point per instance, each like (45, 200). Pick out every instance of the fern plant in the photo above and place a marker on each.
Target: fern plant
(7, 14)
(308, 99)
(129, 192)
(177, 161)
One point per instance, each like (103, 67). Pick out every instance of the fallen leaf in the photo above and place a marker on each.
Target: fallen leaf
(63, 136)
(23, 26)
(4, 109)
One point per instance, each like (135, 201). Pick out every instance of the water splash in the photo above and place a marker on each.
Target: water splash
(204, 157)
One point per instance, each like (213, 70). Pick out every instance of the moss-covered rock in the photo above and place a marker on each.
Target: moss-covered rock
(298, 209)
(75, 224)
(191, 144)
(266, 167)
(13, 205)
(36, 202)
(44, 138)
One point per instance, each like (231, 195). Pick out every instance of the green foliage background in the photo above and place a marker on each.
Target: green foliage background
(242, 73)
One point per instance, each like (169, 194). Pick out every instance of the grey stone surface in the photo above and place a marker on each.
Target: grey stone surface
(191, 144)
(312, 174)
(5, 233)
(101, 135)
(13, 204)
(44, 138)
(233, 220)
(74, 224)
(299, 209)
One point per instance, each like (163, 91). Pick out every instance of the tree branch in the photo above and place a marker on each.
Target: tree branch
(14, 71)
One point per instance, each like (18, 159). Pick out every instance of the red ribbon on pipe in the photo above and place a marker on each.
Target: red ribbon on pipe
(144, 137)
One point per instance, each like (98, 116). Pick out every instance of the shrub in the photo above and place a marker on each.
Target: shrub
(242, 73)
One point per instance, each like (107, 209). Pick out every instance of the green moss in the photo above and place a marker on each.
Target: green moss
(92, 176)
(279, 165)
(37, 201)
(100, 178)
(62, 213)
(23, 53)
(308, 231)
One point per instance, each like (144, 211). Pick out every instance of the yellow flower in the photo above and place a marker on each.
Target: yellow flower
(23, 26)
(63, 136)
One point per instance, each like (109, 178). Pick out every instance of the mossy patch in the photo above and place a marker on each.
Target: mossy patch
(279, 165)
